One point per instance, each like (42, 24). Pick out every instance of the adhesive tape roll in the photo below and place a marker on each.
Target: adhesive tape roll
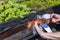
(46, 16)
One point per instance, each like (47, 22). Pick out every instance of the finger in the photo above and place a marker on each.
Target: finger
(35, 23)
(53, 20)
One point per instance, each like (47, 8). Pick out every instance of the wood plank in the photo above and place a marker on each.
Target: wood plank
(12, 31)
(20, 35)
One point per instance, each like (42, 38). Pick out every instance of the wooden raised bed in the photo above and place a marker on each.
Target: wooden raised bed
(12, 31)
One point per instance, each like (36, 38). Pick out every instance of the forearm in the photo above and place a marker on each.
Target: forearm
(54, 35)
(43, 34)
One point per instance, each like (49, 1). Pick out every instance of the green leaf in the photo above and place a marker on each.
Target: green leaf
(1, 7)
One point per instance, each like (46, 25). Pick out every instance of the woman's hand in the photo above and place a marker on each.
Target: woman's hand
(36, 24)
(56, 18)
(41, 33)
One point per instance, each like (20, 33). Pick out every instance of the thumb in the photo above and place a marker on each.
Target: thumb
(35, 23)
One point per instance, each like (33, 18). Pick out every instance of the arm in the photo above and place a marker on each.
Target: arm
(54, 35)
(47, 35)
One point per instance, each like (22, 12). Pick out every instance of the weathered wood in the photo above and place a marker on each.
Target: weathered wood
(26, 33)
(12, 31)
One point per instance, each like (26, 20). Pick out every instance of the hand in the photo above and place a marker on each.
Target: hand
(36, 24)
(40, 32)
(56, 18)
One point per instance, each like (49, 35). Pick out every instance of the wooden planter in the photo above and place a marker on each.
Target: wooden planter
(12, 31)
